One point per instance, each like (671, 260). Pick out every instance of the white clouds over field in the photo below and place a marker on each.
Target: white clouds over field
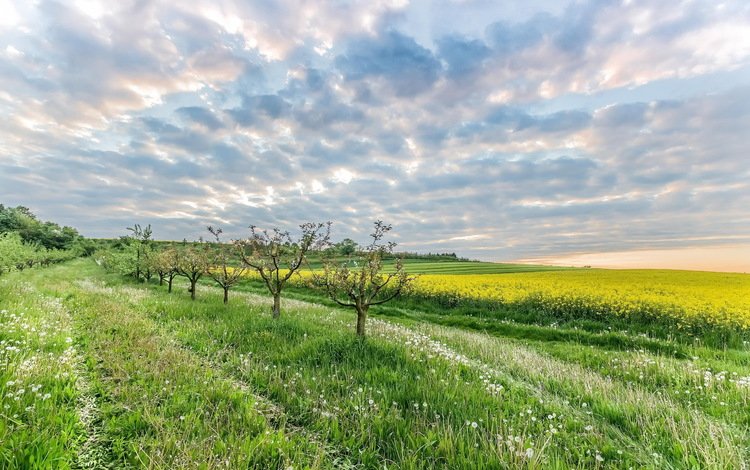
(498, 132)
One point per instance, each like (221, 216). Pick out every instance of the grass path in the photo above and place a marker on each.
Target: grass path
(43, 388)
(159, 405)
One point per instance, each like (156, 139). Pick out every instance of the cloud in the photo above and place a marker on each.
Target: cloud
(255, 109)
(200, 115)
(463, 55)
(511, 38)
(408, 68)
(517, 132)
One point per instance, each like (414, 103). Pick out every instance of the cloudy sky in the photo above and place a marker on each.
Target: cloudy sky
(588, 132)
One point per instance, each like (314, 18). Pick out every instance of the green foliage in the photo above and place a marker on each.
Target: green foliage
(15, 254)
(32, 230)
(346, 247)
(123, 261)
(141, 240)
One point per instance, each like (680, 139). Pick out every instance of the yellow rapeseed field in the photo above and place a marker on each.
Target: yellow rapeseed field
(688, 296)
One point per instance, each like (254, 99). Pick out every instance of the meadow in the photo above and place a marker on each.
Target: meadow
(467, 371)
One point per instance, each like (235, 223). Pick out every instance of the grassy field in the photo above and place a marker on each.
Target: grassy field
(100, 372)
(419, 266)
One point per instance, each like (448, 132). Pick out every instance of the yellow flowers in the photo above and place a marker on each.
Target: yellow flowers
(689, 297)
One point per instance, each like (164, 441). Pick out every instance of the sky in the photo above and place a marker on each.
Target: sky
(606, 133)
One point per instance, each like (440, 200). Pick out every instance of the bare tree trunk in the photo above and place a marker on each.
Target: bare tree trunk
(361, 319)
(192, 289)
(277, 305)
(161, 279)
(226, 295)
(171, 278)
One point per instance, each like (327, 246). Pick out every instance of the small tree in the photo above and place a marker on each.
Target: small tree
(12, 250)
(221, 270)
(276, 257)
(147, 263)
(164, 264)
(193, 264)
(142, 237)
(359, 282)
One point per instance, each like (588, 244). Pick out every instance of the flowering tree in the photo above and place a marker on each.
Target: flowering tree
(164, 264)
(221, 270)
(192, 263)
(276, 257)
(360, 282)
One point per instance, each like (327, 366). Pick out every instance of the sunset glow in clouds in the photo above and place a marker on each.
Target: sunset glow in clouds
(500, 131)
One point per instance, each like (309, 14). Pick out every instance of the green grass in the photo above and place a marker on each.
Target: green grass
(40, 380)
(163, 382)
(421, 266)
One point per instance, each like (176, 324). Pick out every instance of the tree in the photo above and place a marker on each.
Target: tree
(359, 283)
(32, 230)
(12, 250)
(147, 263)
(276, 257)
(222, 271)
(192, 263)
(142, 237)
(164, 264)
(346, 247)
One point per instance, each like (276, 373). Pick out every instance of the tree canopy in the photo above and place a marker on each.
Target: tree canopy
(50, 235)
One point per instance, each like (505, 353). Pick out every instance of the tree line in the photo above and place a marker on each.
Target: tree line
(27, 242)
(274, 256)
